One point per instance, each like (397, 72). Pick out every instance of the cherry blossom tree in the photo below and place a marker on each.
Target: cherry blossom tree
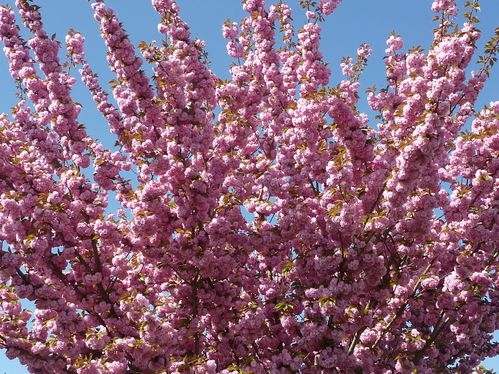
(265, 225)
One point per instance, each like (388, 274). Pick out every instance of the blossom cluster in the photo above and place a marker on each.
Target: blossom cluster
(269, 226)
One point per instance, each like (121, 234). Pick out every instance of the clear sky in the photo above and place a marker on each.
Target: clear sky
(354, 22)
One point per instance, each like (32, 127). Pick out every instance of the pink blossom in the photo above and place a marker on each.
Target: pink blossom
(264, 224)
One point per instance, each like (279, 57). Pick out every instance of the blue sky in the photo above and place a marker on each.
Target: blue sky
(354, 22)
